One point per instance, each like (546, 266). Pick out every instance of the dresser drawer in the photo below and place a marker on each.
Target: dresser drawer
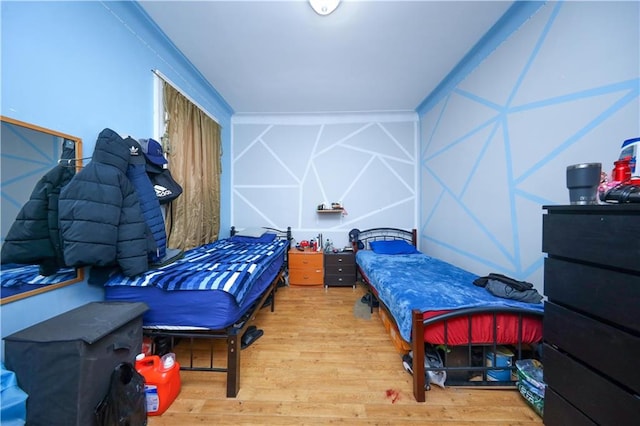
(346, 270)
(558, 412)
(577, 285)
(305, 276)
(339, 280)
(598, 398)
(339, 259)
(300, 259)
(606, 236)
(612, 351)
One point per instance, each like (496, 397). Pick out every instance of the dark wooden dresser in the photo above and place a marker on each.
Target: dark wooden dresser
(339, 269)
(591, 354)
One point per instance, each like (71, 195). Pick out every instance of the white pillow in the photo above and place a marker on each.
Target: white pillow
(252, 232)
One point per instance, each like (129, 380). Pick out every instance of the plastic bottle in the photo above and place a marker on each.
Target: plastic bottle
(161, 381)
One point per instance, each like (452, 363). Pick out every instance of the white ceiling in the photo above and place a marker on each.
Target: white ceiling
(275, 56)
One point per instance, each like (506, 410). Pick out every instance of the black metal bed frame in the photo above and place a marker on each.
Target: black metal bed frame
(232, 334)
(468, 371)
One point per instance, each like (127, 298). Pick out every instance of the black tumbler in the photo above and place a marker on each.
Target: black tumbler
(583, 181)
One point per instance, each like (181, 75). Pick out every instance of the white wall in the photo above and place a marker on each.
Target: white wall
(561, 90)
(284, 166)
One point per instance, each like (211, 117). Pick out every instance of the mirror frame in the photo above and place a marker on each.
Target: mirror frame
(78, 160)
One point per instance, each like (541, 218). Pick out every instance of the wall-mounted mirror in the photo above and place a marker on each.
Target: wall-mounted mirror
(33, 159)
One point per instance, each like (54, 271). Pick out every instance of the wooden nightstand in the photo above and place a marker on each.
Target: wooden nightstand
(340, 269)
(306, 267)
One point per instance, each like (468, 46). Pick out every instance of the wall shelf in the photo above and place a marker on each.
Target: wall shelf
(330, 211)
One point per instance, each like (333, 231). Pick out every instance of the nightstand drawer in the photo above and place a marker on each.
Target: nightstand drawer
(336, 259)
(299, 259)
(340, 269)
(339, 280)
(306, 276)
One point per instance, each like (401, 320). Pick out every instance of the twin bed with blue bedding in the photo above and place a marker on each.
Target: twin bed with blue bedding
(434, 304)
(211, 292)
(211, 287)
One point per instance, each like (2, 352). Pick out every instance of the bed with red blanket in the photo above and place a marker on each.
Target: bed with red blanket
(436, 307)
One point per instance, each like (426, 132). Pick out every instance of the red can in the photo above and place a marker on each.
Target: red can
(621, 171)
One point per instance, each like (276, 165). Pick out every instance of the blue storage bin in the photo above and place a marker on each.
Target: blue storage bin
(13, 410)
(502, 357)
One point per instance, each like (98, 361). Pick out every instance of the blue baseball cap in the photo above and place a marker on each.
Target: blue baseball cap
(153, 151)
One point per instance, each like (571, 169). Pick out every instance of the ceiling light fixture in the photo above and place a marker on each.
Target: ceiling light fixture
(324, 7)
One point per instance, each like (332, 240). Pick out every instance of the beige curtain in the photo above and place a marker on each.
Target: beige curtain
(193, 145)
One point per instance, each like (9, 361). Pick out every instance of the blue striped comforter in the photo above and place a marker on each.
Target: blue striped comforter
(29, 274)
(223, 265)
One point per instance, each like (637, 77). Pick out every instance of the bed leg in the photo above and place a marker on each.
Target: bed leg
(274, 289)
(417, 346)
(233, 365)
(273, 297)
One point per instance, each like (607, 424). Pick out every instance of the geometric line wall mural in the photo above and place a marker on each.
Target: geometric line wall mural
(281, 171)
(494, 150)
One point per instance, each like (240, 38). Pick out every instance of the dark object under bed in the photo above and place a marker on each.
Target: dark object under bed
(189, 300)
(436, 307)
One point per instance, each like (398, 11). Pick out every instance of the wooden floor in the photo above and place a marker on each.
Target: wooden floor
(319, 363)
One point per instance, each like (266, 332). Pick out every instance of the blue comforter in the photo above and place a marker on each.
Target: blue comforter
(416, 281)
(30, 274)
(224, 265)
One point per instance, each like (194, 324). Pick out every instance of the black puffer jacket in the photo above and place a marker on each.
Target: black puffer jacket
(101, 222)
(34, 237)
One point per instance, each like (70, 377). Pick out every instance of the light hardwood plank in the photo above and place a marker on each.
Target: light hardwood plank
(318, 363)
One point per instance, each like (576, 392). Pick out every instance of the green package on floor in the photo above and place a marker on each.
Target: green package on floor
(530, 383)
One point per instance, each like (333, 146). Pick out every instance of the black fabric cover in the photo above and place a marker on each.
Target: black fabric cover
(65, 363)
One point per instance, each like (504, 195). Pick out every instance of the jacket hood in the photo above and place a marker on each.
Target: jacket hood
(111, 149)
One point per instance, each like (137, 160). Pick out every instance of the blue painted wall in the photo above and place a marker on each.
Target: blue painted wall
(551, 85)
(79, 67)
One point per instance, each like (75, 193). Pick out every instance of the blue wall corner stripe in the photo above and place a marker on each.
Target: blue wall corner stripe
(513, 18)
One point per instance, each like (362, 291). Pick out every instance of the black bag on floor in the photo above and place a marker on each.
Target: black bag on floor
(125, 403)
